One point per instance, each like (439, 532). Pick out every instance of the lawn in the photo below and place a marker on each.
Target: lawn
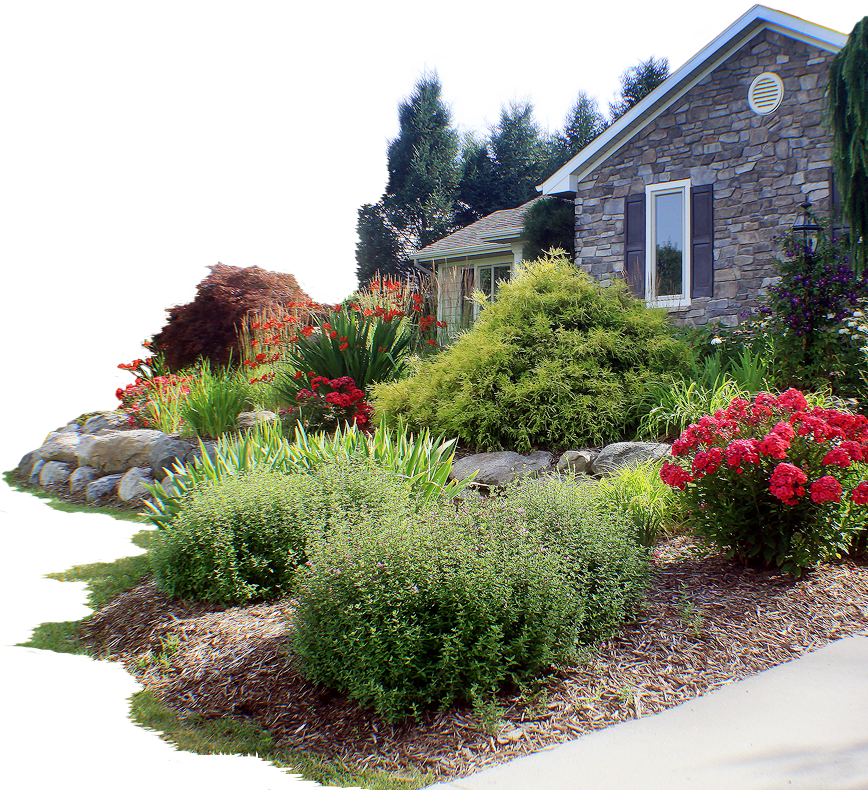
(66, 720)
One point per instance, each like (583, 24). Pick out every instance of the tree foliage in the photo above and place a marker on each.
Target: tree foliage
(207, 327)
(838, 16)
(312, 175)
(418, 205)
(261, 179)
(847, 114)
(549, 224)
(583, 123)
(96, 207)
(637, 82)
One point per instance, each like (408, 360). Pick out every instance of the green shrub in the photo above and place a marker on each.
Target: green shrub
(555, 360)
(235, 540)
(215, 401)
(638, 493)
(454, 605)
(429, 612)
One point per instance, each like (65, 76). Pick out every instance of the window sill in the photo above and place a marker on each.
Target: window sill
(668, 304)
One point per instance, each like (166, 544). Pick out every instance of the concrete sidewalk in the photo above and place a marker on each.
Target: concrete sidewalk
(801, 724)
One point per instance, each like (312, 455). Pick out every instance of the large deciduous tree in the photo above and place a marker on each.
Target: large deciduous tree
(96, 208)
(261, 179)
(419, 202)
(847, 114)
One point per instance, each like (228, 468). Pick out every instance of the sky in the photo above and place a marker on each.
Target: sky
(325, 72)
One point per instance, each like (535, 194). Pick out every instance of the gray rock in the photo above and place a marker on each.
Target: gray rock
(107, 421)
(79, 479)
(577, 462)
(250, 419)
(54, 473)
(210, 446)
(165, 453)
(82, 450)
(105, 486)
(72, 427)
(25, 465)
(35, 471)
(501, 467)
(121, 450)
(131, 485)
(61, 446)
(616, 456)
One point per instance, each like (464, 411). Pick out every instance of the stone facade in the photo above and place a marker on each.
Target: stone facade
(761, 168)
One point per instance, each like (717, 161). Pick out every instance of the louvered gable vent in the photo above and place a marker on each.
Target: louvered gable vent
(765, 93)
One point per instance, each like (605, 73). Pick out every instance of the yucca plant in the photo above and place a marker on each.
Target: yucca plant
(215, 401)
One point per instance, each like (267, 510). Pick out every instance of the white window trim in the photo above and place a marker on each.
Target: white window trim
(476, 279)
(666, 301)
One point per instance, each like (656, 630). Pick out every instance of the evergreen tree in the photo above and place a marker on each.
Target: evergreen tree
(95, 206)
(261, 179)
(847, 114)
(584, 122)
(549, 224)
(838, 16)
(408, 198)
(356, 162)
(637, 82)
(312, 175)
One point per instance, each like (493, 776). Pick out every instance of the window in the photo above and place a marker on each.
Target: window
(486, 279)
(668, 231)
(490, 278)
(667, 257)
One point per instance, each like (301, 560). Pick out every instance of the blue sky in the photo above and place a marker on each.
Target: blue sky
(325, 72)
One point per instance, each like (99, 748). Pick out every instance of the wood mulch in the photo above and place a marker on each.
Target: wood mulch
(705, 622)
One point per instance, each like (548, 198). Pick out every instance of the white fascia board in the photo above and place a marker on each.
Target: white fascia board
(459, 251)
(504, 234)
(295, 243)
(677, 84)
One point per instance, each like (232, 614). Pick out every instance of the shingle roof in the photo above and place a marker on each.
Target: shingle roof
(256, 233)
(485, 235)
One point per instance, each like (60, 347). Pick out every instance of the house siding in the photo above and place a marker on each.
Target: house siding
(331, 250)
(761, 168)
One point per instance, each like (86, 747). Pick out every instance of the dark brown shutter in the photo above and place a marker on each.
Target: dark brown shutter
(836, 209)
(634, 244)
(702, 241)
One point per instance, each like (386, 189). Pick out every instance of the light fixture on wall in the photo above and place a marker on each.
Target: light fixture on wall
(809, 229)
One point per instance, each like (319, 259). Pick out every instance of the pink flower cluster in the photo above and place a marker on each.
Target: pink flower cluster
(756, 434)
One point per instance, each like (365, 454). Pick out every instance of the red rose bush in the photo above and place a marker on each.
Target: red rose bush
(774, 481)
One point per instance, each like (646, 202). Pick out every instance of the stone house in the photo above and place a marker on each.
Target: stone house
(319, 231)
(683, 195)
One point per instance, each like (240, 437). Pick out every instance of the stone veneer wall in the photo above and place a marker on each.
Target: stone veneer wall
(762, 167)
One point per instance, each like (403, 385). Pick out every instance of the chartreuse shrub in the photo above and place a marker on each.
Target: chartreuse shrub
(451, 606)
(240, 538)
(776, 482)
(556, 359)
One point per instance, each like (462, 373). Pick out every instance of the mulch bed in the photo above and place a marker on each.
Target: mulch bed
(705, 622)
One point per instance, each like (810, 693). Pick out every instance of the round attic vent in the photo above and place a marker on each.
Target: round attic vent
(765, 93)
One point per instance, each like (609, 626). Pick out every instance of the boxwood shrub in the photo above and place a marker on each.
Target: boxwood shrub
(555, 360)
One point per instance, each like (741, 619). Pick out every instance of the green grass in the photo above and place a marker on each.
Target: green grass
(69, 721)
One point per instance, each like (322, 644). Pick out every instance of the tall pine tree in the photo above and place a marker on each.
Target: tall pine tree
(261, 179)
(637, 82)
(418, 205)
(312, 175)
(584, 122)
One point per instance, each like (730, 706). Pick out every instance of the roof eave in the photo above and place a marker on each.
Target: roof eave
(456, 252)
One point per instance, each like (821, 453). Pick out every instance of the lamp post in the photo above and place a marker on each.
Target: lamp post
(809, 229)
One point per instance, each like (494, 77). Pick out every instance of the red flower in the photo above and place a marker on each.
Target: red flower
(787, 482)
(326, 326)
(343, 346)
(297, 375)
(837, 456)
(674, 475)
(432, 342)
(826, 489)
(859, 495)
(707, 462)
(742, 451)
(260, 358)
(307, 331)
(775, 446)
(792, 400)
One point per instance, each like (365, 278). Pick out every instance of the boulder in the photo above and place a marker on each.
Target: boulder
(35, 471)
(71, 427)
(120, 450)
(165, 453)
(55, 473)
(105, 486)
(61, 446)
(577, 462)
(250, 419)
(131, 485)
(82, 450)
(210, 446)
(79, 479)
(25, 465)
(107, 421)
(501, 467)
(620, 454)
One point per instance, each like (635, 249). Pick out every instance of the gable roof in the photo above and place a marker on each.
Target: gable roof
(746, 27)
(265, 234)
(487, 235)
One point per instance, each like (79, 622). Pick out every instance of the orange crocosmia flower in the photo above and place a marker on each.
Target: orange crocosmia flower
(326, 326)
(297, 375)
(307, 331)
(343, 346)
